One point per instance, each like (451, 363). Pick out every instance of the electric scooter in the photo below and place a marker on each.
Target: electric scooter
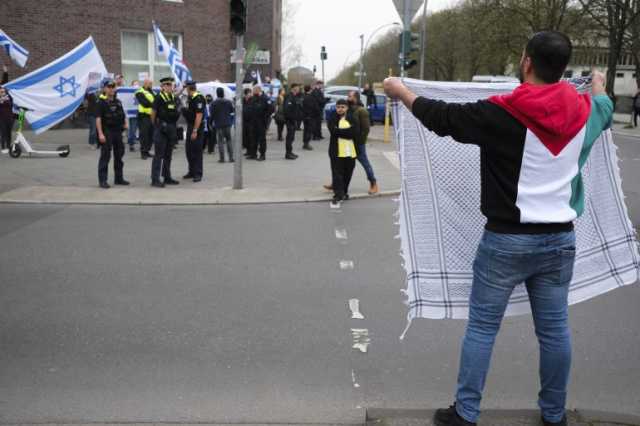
(20, 144)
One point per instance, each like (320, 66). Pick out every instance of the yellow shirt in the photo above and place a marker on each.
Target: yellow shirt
(346, 148)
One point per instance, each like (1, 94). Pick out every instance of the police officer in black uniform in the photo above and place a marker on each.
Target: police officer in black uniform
(164, 116)
(111, 121)
(260, 110)
(194, 114)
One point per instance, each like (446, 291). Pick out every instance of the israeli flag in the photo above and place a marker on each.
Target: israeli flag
(16, 52)
(55, 91)
(179, 69)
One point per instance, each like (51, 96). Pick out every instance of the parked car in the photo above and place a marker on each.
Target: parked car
(376, 113)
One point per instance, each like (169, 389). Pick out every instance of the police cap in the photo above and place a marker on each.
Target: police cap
(166, 80)
(190, 83)
(108, 82)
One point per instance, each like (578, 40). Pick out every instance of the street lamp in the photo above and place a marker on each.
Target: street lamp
(366, 46)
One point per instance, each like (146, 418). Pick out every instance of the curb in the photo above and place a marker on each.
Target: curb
(402, 417)
(198, 203)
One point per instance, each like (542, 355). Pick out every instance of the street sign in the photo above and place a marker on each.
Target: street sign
(260, 57)
(413, 8)
(357, 73)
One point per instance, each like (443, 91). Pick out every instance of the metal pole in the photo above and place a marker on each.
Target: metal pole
(323, 71)
(361, 55)
(423, 40)
(237, 148)
(406, 23)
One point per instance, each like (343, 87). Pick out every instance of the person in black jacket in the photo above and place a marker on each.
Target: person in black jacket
(6, 113)
(344, 128)
(636, 108)
(310, 109)
(261, 108)
(318, 93)
(221, 114)
(292, 114)
(371, 98)
(110, 122)
(247, 129)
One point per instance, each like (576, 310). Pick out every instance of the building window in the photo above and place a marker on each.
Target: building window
(619, 75)
(568, 74)
(586, 73)
(139, 55)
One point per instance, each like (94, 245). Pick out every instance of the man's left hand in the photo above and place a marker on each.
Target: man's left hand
(194, 135)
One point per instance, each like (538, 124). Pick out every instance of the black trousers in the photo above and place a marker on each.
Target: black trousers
(342, 173)
(193, 151)
(113, 142)
(280, 125)
(258, 137)
(209, 141)
(145, 132)
(247, 130)
(636, 113)
(5, 133)
(317, 130)
(224, 139)
(165, 138)
(291, 135)
(309, 127)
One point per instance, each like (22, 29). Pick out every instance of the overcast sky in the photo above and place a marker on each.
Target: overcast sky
(337, 24)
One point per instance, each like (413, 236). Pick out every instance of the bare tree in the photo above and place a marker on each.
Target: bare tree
(292, 53)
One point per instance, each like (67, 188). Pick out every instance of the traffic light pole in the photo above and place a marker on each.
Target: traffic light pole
(406, 23)
(237, 147)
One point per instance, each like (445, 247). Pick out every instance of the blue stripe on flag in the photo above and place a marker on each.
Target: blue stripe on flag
(10, 43)
(58, 115)
(126, 90)
(53, 69)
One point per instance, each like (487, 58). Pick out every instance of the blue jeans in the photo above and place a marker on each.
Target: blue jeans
(364, 160)
(133, 128)
(544, 262)
(93, 132)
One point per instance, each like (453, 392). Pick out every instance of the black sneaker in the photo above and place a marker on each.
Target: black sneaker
(308, 147)
(104, 185)
(290, 156)
(187, 176)
(221, 160)
(449, 417)
(562, 422)
(197, 179)
(261, 158)
(252, 157)
(171, 182)
(121, 182)
(157, 184)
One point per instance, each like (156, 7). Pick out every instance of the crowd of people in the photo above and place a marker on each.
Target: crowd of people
(209, 123)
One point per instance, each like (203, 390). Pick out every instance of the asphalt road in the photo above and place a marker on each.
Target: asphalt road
(240, 314)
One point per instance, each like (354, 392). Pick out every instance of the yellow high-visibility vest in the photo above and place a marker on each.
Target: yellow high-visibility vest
(346, 147)
(142, 109)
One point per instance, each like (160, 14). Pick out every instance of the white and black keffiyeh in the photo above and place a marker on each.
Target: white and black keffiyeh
(441, 223)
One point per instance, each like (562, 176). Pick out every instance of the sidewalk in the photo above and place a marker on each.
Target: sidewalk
(73, 180)
(622, 125)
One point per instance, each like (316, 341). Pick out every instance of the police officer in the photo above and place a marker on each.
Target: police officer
(292, 114)
(164, 116)
(261, 108)
(110, 122)
(194, 114)
(144, 96)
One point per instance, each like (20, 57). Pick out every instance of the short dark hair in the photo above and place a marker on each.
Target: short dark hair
(294, 85)
(356, 94)
(342, 102)
(550, 53)
(220, 92)
(307, 88)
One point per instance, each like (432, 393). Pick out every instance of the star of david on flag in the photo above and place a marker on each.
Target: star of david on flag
(56, 90)
(72, 86)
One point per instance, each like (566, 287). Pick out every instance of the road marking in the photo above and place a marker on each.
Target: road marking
(341, 233)
(354, 305)
(335, 206)
(392, 156)
(361, 339)
(346, 264)
(353, 379)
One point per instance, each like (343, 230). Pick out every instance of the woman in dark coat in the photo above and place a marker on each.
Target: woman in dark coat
(344, 128)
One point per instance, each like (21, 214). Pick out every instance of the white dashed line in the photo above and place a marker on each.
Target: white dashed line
(346, 265)
(341, 234)
(354, 305)
(361, 339)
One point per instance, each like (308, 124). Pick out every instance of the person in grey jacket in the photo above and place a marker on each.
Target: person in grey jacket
(221, 112)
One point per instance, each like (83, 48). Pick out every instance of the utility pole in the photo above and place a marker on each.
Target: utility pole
(323, 57)
(361, 68)
(237, 137)
(406, 23)
(238, 25)
(423, 40)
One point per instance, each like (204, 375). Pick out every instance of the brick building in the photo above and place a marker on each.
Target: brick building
(123, 33)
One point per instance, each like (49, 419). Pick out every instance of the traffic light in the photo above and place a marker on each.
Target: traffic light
(409, 43)
(410, 63)
(238, 9)
(323, 53)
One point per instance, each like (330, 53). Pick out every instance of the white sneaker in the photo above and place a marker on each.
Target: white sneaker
(5, 151)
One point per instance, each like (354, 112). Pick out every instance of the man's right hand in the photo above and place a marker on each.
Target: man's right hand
(598, 82)
(102, 139)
